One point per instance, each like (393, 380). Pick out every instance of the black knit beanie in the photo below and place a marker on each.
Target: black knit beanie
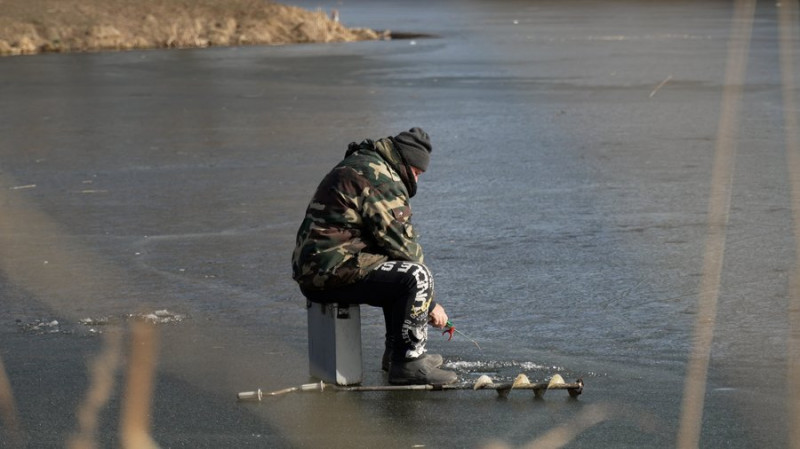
(415, 147)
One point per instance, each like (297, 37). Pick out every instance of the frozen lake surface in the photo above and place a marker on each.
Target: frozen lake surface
(565, 218)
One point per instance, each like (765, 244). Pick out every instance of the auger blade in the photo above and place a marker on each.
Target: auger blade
(556, 380)
(520, 381)
(482, 382)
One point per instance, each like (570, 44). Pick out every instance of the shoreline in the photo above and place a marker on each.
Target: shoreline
(52, 26)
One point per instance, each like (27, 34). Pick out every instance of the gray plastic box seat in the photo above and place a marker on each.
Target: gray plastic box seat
(334, 342)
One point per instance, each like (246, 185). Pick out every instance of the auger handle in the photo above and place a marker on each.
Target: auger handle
(250, 395)
(258, 394)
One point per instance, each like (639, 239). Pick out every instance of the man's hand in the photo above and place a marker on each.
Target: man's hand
(438, 317)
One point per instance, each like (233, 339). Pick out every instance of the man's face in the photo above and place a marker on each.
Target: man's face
(416, 172)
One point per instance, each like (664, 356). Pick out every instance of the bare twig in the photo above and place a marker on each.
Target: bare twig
(662, 84)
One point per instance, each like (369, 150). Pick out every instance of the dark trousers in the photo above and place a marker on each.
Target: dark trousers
(404, 290)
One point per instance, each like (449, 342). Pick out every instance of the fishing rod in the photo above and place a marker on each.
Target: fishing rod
(484, 382)
(450, 328)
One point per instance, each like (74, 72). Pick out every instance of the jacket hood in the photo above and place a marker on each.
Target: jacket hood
(388, 152)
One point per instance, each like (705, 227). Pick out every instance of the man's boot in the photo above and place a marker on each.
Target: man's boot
(435, 360)
(419, 371)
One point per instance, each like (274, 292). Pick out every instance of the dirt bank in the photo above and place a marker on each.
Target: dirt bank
(36, 26)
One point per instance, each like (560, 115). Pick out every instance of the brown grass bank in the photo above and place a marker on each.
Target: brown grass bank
(36, 26)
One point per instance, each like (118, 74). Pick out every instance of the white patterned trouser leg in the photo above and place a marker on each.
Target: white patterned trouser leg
(415, 295)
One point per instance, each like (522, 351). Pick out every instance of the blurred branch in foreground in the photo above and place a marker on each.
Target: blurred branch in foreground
(135, 419)
(102, 371)
(8, 410)
(787, 28)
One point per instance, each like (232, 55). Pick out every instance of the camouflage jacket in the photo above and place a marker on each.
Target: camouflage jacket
(358, 218)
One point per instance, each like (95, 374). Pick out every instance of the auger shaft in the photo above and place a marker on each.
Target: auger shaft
(574, 389)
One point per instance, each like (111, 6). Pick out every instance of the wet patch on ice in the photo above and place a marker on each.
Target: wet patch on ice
(40, 326)
(507, 371)
(160, 317)
(163, 316)
(500, 371)
(491, 366)
(95, 325)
